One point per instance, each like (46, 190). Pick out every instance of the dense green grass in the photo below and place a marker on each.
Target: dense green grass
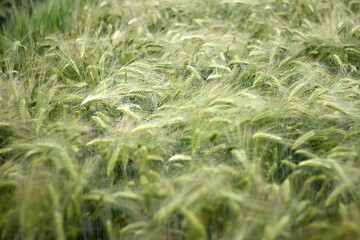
(188, 119)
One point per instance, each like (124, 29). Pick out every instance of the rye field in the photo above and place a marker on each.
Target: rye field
(174, 120)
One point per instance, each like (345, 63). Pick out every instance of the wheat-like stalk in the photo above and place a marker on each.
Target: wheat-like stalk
(301, 140)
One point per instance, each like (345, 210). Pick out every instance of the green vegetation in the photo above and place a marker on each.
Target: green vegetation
(188, 119)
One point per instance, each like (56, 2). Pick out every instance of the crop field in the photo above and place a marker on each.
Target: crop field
(174, 120)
